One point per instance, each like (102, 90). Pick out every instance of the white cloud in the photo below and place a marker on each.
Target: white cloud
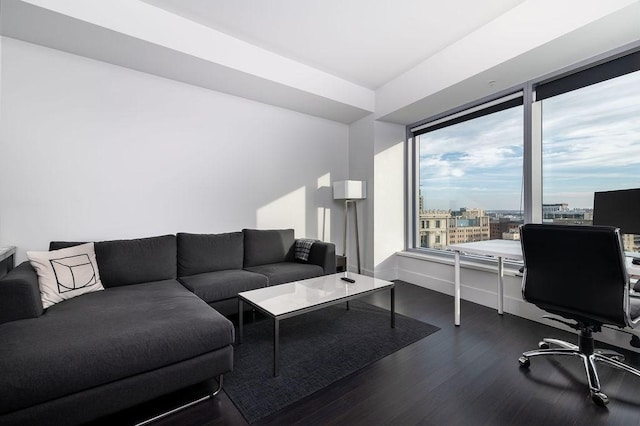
(591, 143)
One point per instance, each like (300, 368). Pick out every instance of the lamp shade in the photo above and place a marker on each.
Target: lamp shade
(350, 190)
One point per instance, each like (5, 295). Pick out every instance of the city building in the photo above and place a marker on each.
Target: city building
(511, 234)
(499, 225)
(438, 228)
(469, 225)
(434, 228)
(561, 214)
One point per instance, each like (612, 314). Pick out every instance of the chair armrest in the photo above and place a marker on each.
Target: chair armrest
(20, 294)
(323, 254)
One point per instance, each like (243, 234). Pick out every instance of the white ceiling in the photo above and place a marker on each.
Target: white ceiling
(367, 42)
(402, 60)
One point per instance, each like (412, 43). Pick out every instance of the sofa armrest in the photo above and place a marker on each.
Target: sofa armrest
(20, 294)
(323, 254)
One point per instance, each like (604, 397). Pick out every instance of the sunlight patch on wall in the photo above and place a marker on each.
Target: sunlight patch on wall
(389, 203)
(324, 200)
(288, 211)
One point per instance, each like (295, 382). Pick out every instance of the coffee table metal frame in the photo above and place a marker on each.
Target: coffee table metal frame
(277, 318)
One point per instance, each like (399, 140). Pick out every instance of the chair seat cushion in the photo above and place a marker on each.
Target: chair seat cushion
(285, 272)
(221, 285)
(101, 337)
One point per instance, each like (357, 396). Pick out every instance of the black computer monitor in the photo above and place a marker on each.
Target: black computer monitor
(618, 208)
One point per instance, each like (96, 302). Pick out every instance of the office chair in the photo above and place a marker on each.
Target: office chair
(578, 273)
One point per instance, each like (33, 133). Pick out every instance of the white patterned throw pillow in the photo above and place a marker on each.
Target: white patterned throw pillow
(65, 273)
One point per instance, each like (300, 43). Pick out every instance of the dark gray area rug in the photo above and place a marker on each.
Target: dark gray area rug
(316, 349)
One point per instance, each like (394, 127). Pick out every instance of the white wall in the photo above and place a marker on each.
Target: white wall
(389, 191)
(376, 155)
(94, 151)
(361, 168)
(1, 160)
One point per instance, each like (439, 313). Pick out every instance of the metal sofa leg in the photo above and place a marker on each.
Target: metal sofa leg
(217, 391)
(182, 407)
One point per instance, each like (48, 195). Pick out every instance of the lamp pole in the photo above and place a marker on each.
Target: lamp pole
(350, 192)
(346, 218)
(355, 208)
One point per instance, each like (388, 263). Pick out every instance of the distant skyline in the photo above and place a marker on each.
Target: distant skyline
(591, 142)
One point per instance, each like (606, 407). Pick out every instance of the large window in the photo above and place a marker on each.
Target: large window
(591, 142)
(481, 172)
(470, 176)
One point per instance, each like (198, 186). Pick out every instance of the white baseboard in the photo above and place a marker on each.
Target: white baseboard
(512, 305)
(388, 273)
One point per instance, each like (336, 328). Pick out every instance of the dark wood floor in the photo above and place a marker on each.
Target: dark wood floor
(457, 376)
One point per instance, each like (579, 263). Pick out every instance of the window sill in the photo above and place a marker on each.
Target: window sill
(479, 263)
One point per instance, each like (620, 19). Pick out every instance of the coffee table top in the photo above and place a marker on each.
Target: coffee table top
(290, 297)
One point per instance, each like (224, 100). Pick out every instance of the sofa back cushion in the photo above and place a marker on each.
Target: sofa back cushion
(200, 253)
(141, 260)
(262, 247)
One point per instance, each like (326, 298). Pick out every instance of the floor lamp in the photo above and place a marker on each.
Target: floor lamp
(350, 191)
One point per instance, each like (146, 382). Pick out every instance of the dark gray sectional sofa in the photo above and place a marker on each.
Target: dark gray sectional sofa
(150, 332)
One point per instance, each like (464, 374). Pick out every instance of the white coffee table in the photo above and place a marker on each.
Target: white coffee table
(291, 299)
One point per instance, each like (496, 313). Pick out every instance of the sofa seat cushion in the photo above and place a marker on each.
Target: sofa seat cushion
(220, 285)
(285, 272)
(101, 337)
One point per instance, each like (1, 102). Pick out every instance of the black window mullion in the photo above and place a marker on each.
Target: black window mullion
(466, 117)
(605, 71)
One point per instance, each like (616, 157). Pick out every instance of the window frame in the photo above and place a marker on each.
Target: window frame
(586, 71)
(502, 100)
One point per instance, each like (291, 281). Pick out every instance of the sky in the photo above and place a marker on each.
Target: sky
(591, 142)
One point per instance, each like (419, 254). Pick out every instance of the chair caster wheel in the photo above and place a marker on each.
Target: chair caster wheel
(599, 398)
(543, 345)
(524, 361)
